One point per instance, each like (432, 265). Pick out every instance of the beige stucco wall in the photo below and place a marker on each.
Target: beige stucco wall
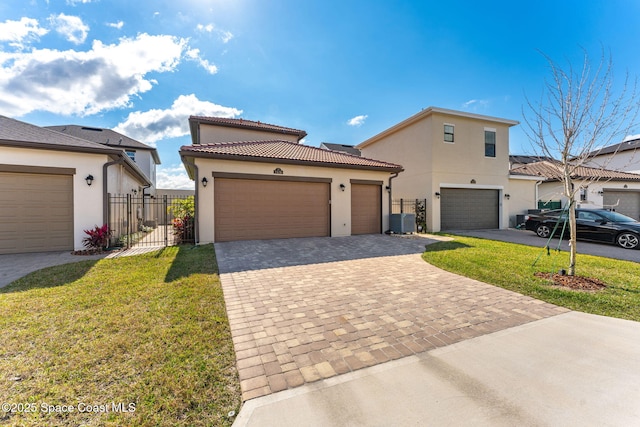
(121, 181)
(553, 191)
(430, 163)
(522, 197)
(340, 200)
(87, 200)
(212, 133)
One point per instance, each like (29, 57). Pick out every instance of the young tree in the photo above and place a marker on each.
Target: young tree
(577, 114)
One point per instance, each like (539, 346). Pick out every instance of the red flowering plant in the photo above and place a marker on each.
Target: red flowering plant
(97, 238)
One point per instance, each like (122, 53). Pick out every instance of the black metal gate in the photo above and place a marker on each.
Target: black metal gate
(414, 206)
(136, 221)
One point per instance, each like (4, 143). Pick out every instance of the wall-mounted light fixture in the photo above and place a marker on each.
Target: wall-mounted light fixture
(438, 194)
(388, 188)
(600, 193)
(134, 191)
(473, 181)
(625, 186)
(89, 179)
(204, 181)
(342, 187)
(507, 196)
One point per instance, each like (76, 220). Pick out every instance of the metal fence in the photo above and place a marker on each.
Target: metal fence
(414, 206)
(147, 221)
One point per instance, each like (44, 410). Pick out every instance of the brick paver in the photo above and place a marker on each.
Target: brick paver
(302, 310)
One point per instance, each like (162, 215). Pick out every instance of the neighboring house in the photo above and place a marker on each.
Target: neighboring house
(53, 186)
(597, 188)
(349, 149)
(620, 157)
(144, 156)
(457, 161)
(519, 160)
(255, 181)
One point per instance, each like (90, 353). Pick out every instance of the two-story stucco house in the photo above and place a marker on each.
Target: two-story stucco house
(257, 181)
(144, 156)
(457, 161)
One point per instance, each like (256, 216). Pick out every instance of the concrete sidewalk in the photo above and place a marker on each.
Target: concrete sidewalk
(573, 369)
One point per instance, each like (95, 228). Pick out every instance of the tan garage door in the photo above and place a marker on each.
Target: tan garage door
(625, 202)
(366, 207)
(36, 212)
(468, 209)
(247, 209)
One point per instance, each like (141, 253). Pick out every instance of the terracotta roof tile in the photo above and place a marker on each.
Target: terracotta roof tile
(286, 152)
(248, 124)
(552, 171)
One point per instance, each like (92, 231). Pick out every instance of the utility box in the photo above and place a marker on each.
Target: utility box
(402, 223)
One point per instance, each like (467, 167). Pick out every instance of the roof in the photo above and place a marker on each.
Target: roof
(429, 111)
(349, 149)
(633, 144)
(526, 159)
(242, 124)
(552, 171)
(14, 133)
(278, 151)
(106, 137)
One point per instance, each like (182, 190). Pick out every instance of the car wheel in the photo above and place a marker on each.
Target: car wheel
(543, 231)
(628, 240)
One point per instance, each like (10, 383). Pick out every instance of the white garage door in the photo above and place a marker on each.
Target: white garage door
(469, 209)
(36, 212)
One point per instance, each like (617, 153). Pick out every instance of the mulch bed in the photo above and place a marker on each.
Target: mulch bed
(573, 282)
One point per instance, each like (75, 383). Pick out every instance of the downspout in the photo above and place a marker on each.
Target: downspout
(105, 200)
(196, 202)
(395, 175)
(537, 193)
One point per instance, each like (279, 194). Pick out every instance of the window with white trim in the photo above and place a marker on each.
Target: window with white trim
(448, 132)
(131, 154)
(489, 142)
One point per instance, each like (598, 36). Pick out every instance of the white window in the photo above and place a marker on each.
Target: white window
(131, 154)
(448, 132)
(489, 142)
(583, 194)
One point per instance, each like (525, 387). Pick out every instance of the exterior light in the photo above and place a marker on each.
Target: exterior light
(388, 188)
(342, 187)
(205, 181)
(89, 179)
(507, 196)
(438, 194)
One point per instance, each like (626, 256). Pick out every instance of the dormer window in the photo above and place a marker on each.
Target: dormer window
(131, 154)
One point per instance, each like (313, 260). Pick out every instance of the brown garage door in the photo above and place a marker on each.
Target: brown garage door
(625, 202)
(247, 209)
(366, 207)
(468, 209)
(36, 212)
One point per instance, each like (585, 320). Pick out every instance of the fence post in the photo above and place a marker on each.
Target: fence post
(129, 220)
(401, 205)
(165, 214)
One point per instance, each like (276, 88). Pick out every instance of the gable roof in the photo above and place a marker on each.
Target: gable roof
(278, 151)
(633, 144)
(14, 133)
(430, 111)
(194, 121)
(106, 137)
(349, 149)
(552, 171)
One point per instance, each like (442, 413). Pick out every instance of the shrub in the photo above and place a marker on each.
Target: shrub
(98, 238)
(183, 211)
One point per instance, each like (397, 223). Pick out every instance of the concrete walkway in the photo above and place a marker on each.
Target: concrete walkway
(304, 310)
(574, 369)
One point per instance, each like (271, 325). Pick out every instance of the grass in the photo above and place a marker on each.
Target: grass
(509, 266)
(149, 330)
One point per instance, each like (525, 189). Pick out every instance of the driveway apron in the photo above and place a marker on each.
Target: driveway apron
(302, 310)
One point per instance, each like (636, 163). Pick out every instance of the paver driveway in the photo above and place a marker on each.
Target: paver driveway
(301, 310)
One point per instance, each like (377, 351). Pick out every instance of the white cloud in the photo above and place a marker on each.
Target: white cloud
(75, 2)
(194, 55)
(74, 82)
(154, 125)
(17, 33)
(224, 35)
(173, 177)
(357, 121)
(70, 27)
(118, 25)
(474, 103)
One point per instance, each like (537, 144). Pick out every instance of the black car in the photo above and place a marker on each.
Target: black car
(596, 225)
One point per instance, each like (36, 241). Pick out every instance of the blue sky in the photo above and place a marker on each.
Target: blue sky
(340, 70)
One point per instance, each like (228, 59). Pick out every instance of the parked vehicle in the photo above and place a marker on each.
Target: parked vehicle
(595, 225)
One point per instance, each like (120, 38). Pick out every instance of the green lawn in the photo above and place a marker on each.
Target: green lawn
(509, 266)
(147, 333)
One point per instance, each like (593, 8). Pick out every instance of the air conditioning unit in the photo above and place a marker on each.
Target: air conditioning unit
(402, 223)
